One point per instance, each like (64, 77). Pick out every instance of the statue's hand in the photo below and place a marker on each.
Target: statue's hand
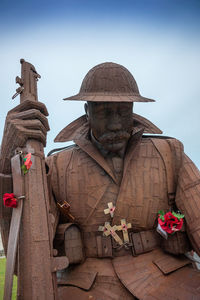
(28, 120)
(25, 121)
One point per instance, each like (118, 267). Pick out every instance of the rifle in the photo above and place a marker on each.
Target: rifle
(33, 240)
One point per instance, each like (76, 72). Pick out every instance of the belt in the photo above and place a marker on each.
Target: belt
(68, 241)
(140, 242)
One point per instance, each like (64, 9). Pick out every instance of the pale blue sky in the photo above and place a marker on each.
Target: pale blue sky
(157, 40)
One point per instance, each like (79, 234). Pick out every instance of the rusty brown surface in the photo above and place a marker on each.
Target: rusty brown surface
(5, 212)
(105, 286)
(100, 186)
(35, 234)
(177, 243)
(187, 199)
(68, 241)
(144, 241)
(145, 280)
(35, 239)
(18, 190)
(35, 268)
(111, 162)
(69, 133)
(84, 280)
(109, 82)
(169, 263)
(59, 263)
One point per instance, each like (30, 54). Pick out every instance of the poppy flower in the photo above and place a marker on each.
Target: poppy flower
(170, 223)
(10, 200)
(28, 162)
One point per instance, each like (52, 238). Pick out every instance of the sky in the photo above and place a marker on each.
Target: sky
(156, 40)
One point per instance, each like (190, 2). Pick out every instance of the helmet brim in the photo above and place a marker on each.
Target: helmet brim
(108, 97)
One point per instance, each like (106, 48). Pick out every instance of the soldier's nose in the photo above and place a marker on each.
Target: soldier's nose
(114, 126)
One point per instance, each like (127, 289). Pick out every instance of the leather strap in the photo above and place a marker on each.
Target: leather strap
(18, 189)
(141, 242)
(165, 152)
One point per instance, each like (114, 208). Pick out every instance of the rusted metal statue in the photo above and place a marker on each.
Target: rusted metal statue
(123, 206)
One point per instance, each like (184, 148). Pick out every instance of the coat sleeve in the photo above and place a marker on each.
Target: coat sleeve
(50, 162)
(58, 165)
(188, 199)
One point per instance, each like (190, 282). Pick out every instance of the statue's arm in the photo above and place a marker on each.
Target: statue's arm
(27, 120)
(188, 199)
(68, 237)
(52, 173)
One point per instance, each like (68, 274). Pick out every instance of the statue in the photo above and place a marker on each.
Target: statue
(124, 203)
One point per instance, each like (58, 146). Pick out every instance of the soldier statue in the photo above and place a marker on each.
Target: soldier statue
(125, 200)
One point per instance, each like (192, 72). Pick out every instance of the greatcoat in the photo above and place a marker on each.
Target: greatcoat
(155, 171)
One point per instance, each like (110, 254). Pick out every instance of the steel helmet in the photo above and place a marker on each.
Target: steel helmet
(109, 82)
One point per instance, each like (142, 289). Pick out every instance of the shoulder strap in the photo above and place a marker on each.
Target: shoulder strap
(165, 152)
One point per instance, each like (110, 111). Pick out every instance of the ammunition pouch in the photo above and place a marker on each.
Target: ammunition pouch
(144, 241)
(177, 243)
(68, 242)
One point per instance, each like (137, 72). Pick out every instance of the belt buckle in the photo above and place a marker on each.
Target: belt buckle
(117, 247)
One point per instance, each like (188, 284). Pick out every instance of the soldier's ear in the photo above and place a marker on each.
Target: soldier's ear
(86, 111)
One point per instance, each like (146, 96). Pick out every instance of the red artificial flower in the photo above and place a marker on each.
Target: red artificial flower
(10, 200)
(170, 224)
(28, 162)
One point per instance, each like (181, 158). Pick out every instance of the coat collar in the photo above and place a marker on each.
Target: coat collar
(84, 142)
(78, 131)
(80, 126)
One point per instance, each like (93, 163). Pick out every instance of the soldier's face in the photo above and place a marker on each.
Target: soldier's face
(111, 123)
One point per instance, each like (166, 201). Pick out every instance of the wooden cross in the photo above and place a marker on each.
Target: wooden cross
(110, 210)
(124, 227)
(109, 230)
(103, 228)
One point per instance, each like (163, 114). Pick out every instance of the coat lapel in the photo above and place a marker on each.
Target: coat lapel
(86, 145)
(121, 205)
(82, 140)
(131, 148)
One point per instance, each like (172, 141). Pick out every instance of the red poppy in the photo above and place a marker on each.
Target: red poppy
(28, 162)
(10, 200)
(170, 224)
